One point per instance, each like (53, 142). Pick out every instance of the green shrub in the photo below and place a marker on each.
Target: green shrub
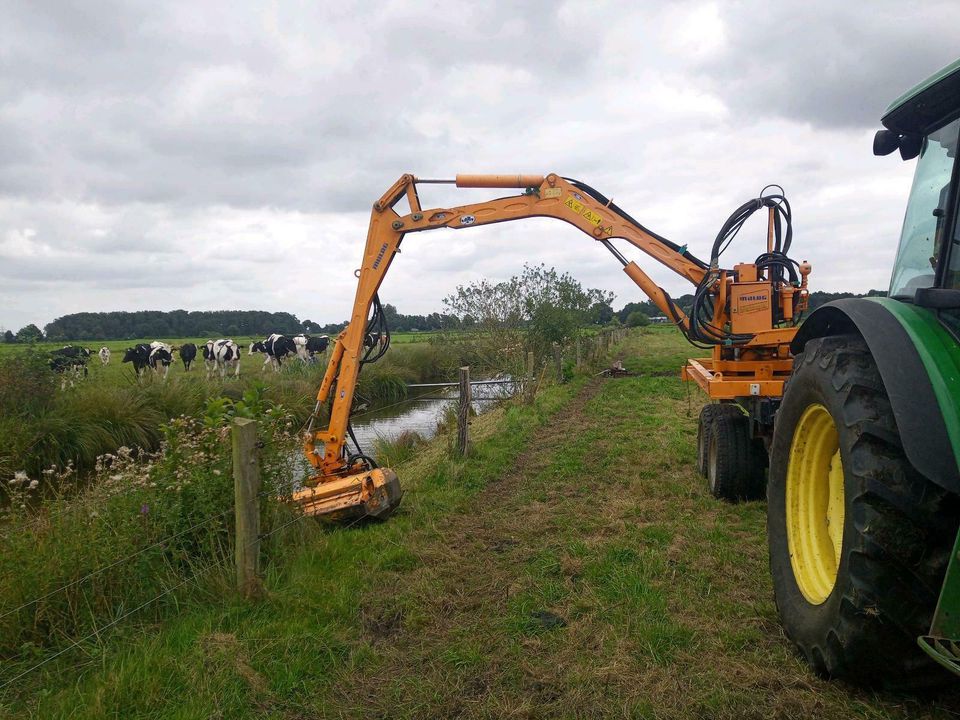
(637, 319)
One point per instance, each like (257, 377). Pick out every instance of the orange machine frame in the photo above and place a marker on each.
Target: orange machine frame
(757, 367)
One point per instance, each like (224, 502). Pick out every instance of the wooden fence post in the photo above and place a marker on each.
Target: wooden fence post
(558, 362)
(579, 353)
(463, 411)
(531, 372)
(246, 487)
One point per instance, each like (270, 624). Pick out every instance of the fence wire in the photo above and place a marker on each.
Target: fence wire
(194, 576)
(115, 563)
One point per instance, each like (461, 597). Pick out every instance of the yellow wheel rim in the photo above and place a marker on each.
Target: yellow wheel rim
(815, 504)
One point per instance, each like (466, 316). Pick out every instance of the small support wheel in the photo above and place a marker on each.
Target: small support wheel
(734, 472)
(705, 427)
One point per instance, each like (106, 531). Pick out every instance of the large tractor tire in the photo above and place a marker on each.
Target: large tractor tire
(734, 472)
(859, 541)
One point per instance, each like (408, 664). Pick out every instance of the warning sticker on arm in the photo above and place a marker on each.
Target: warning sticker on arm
(579, 208)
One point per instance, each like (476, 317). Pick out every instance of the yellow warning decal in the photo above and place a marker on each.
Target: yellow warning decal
(580, 209)
(577, 207)
(591, 216)
(551, 193)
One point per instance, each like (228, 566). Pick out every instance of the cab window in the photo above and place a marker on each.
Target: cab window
(924, 223)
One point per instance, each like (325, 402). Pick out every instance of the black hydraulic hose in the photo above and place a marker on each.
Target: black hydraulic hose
(775, 261)
(359, 455)
(600, 198)
(377, 326)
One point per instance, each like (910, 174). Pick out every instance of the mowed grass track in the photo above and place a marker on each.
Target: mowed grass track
(574, 567)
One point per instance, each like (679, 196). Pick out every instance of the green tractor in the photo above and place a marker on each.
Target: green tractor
(864, 488)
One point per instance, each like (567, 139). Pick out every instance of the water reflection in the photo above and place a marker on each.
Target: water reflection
(421, 412)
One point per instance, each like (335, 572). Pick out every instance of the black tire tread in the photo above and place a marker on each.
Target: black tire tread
(708, 413)
(905, 528)
(737, 468)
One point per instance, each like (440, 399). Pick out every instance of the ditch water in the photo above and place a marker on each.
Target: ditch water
(420, 412)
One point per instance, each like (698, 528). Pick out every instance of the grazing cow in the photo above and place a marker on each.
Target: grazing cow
(161, 356)
(221, 354)
(70, 360)
(308, 346)
(276, 348)
(157, 345)
(139, 355)
(188, 353)
(104, 355)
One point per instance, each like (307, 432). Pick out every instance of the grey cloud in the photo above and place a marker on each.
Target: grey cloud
(832, 64)
(215, 147)
(195, 104)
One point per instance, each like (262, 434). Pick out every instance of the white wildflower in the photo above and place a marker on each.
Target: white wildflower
(33, 484)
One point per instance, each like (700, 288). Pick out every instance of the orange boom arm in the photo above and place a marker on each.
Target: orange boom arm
(341, 486)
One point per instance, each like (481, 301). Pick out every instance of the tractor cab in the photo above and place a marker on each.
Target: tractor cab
(925, 123)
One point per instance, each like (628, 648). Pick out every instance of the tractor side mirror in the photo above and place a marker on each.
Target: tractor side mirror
(910, 145)
(885, 142)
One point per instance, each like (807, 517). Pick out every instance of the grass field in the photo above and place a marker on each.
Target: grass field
(117, 371)
(573, 567)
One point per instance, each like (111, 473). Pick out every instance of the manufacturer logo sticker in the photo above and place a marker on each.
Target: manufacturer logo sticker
(380, 255)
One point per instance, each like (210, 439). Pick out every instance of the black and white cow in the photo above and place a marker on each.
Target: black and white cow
(221, 354)
(308, 346)
(276, 348)
(160, 359)
(70, 362)
(104, 355)
(188, 353)
(139, 355)
(161, 356)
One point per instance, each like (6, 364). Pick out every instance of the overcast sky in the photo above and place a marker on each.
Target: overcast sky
(205, 155)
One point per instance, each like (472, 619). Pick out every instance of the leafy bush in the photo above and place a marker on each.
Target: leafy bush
(637, 319)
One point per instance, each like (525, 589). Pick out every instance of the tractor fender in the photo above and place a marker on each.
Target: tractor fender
(892, 331)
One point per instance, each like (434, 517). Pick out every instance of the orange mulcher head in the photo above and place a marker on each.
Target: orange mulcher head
(373, 493)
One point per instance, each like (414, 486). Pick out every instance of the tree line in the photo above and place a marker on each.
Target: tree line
(592, 307)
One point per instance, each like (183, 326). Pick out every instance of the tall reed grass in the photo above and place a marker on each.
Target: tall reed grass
(146, 523)
(40, 426)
